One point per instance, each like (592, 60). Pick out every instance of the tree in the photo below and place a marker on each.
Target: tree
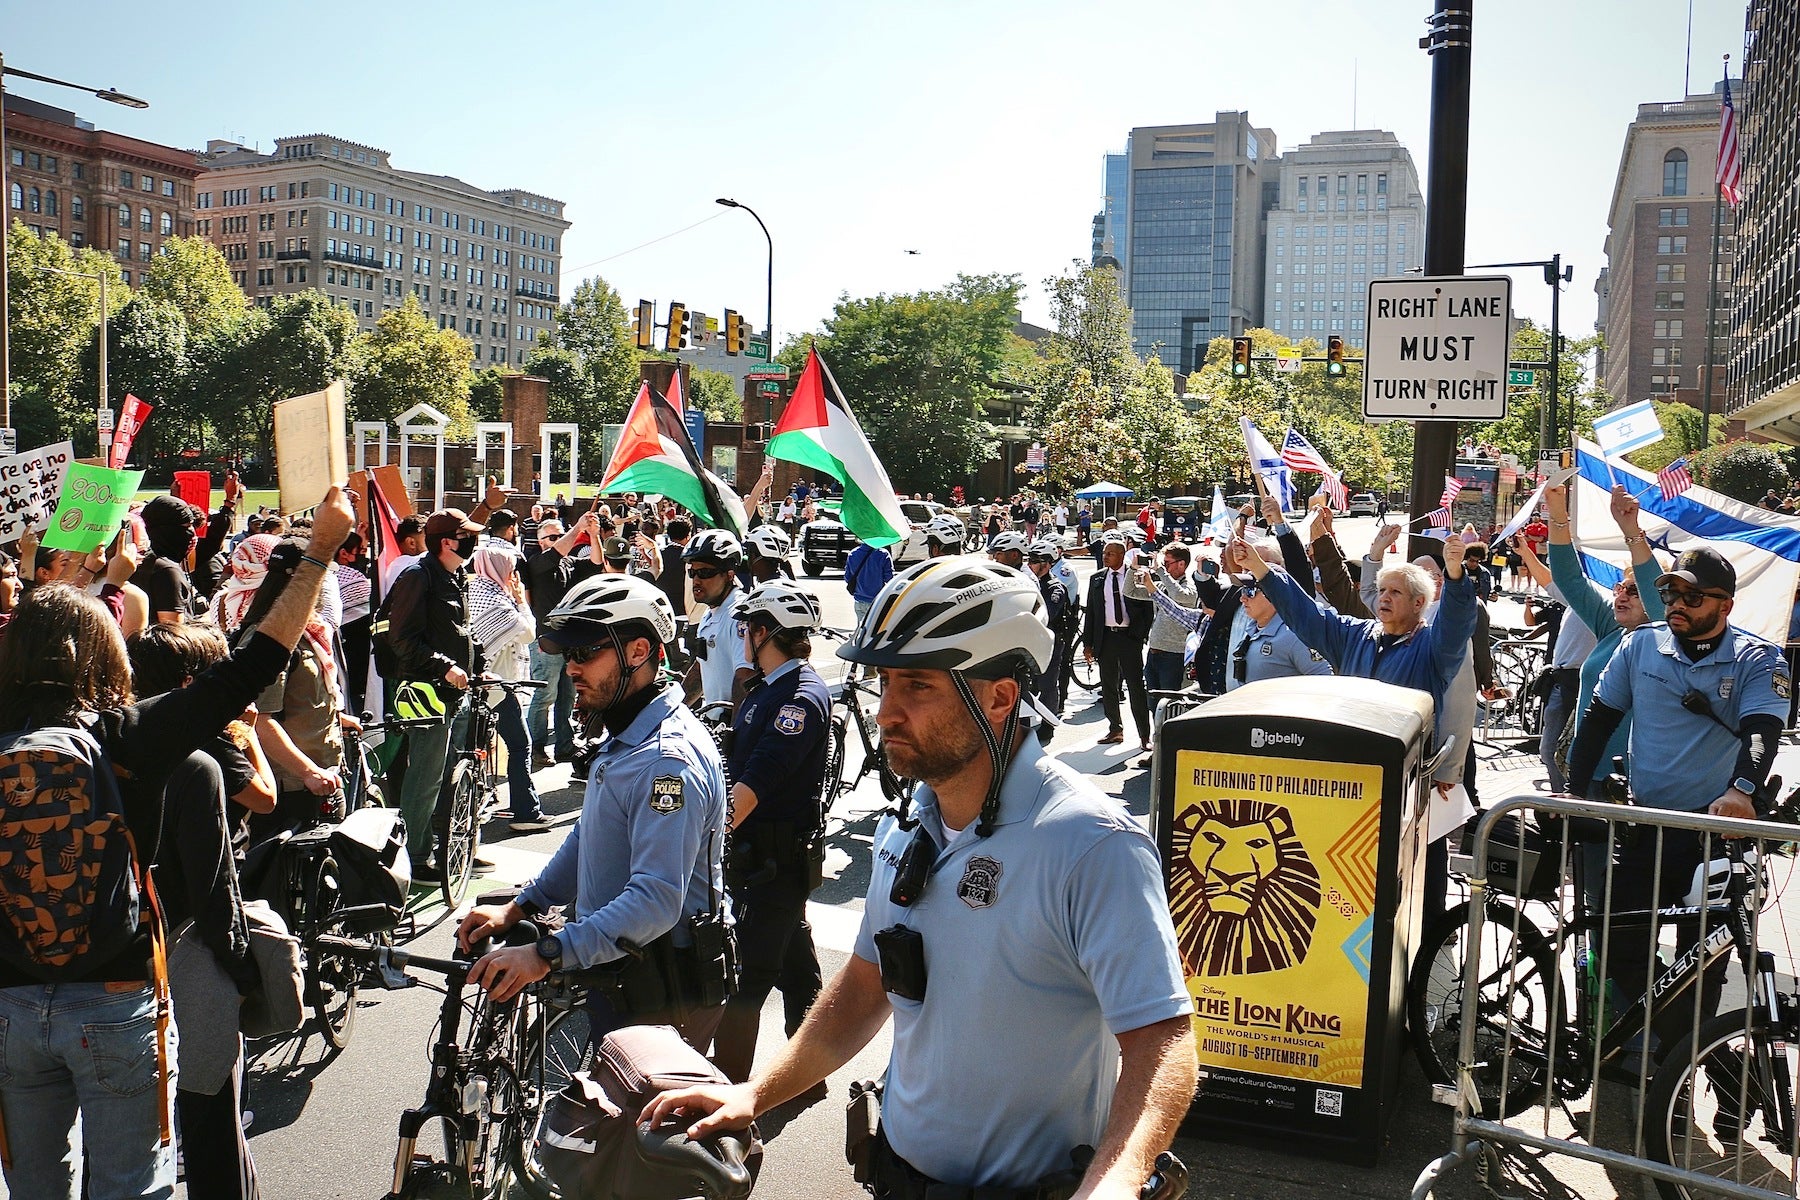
(716, 394)
(1165, 440)
(593, 327)
(1681, 435)
(54, 319)
(919, 372)
(406, 360)
(1521, 432)
(1093, 335)
(1086, 439)
(1743, 470)
(487, 392)
(191, 276)
(148, 356)
(299, 343)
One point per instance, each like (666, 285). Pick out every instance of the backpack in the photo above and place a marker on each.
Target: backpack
(71, 878)
(381, 644)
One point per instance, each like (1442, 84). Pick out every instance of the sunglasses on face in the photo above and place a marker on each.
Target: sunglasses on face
(704, 572)
(575, 654)
(1671, 597)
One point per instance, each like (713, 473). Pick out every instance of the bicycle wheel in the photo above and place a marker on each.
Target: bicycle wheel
(462, 831)
(893, 787)
(331, 979)
(1514, 1012)
(1087, 673)
(565, 1052)
(834, 760)
(1692, 1119)
(498, 1048)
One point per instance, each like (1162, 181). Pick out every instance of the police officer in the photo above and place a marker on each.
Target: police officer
(1059, 614)
(1008, 548)
(720, 670)
(779, 743)
(1268, 649)
(1707, 703)
(944, 535)
(766, 549)
(642, 867)
(1015, 929)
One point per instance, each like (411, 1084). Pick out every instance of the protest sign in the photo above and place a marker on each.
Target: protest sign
(94, 501)
(132, 415)
(310, 447)
(29, 484)
(195, 487)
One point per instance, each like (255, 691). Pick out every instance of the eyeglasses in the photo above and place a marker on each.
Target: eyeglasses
(704, 572)
(1250, 590)
(1672, 597)
(575, 654)
(1627, 589)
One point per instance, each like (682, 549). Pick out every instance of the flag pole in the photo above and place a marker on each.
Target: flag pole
(1712, 296)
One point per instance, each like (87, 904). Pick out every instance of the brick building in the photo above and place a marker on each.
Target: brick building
(95, 188)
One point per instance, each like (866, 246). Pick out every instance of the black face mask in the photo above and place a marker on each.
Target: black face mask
(465, 546)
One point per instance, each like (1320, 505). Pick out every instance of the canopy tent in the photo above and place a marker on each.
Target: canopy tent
(1103, 491)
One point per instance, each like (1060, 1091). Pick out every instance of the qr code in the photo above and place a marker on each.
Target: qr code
(1328, 1102)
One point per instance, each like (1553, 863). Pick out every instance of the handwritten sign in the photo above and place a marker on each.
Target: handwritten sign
(94, 502)
(310, 447)
(196, 488)
(29, 484)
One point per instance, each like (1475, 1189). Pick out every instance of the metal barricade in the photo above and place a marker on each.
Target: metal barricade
(1533, 995)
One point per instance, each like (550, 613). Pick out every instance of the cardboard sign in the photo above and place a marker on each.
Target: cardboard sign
(310, 447)
(196, 488)
(393, 489)
(94, 502)
(29, 485)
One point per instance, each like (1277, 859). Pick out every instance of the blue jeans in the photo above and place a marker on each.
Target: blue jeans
(427, 749)
(1559, 709)
(1162, 670)
(509, 722)
(77, 1050)
(560, 696)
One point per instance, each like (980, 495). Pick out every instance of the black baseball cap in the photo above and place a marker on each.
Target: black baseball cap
(1705, 568)
(615, 549)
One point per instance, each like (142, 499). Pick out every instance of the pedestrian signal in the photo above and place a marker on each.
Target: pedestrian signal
(1240, 358)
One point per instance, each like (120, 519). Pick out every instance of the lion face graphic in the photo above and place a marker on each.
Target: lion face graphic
(1247, 897)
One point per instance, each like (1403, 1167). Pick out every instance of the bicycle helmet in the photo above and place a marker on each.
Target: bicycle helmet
(610, 605)
(945, 530)
(1043, 550)
(714, 546)
(781, 604)
(1007, 541)
(1134, 535)
(974, 618)
(770, 541)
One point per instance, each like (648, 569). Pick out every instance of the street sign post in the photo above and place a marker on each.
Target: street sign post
(1437, 348)
(766, 370)
(757, 347)
(1521, 378)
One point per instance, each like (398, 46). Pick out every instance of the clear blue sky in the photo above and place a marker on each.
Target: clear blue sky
(968, 130)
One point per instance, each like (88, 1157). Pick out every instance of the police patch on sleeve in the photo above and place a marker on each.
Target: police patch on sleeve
(1783, 685)
(791, 719)
(665, 794)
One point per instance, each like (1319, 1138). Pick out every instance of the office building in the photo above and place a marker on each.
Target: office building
(1195, 196)
(1653, 311)
(1110, 240)
(94, 188)
(1763, 378)
(1349, 210)
(326, 213)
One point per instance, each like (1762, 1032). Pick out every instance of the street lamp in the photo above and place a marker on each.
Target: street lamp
(108, 94)
(1555, 274)
(105, 403)
(769, 309)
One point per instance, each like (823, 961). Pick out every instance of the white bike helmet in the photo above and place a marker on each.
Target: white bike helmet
(770, 541)
(1043, 550)
(1008, 540)
(617, 606)
(945, 530)
(781, 604)
(717, 546)
(1134, 535)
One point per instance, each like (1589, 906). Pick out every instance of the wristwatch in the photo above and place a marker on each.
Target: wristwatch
(549, 948)
(1745, 786)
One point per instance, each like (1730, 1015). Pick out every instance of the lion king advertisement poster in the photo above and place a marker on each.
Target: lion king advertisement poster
(1272, 877)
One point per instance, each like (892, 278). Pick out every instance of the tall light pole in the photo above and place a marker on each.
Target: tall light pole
(105, 402)
(769, 310)
(1555, 274)
(108, 94)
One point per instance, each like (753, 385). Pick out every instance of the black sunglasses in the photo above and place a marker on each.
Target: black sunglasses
(575, 654)
(704, 572)
(1681, 596)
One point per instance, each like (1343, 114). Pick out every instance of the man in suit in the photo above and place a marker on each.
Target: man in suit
(1113, 632)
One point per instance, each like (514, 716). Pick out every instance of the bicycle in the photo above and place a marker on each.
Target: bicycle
(860, 700)
(474, 786)
(1526, 1042)
(361, 777)
(1517, 664)
(493, 1065)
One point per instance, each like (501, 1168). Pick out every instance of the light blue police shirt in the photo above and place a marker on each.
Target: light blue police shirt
(645, 854)
(717, 630)
(1276, 652)
(1685, 760)
(1042, 944)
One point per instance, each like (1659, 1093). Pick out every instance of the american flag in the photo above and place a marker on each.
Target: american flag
(1438, 518)
(1730, 177)
(1674, 479)
(1452, 488)
(1299, 455)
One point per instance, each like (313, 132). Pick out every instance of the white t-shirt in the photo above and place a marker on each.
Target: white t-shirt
(724, 649)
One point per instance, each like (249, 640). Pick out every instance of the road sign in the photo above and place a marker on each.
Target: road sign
(1520, 378)
(766, 370)
(105, 417)
(9, 441)
(1437, 348)
(768, 387)
(757, 347)
(1287, 359)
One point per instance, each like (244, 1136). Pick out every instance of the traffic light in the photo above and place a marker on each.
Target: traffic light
(734, 332)
(1240, 358)
(675, 337)
(645, 332)
(1334, 355)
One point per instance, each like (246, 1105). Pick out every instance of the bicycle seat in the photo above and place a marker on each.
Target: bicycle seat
(719, 1166)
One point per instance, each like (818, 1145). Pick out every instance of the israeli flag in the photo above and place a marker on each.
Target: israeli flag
(1627, 429)
(1222, 521)
(1763, 546)
(1267, 464)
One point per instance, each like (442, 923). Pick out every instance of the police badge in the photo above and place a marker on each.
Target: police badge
(665, 794)
(980, 881)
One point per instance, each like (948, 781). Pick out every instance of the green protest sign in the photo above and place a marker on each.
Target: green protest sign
(94, 501)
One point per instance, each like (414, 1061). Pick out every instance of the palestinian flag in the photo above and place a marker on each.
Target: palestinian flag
(819, 431)
(656, 455)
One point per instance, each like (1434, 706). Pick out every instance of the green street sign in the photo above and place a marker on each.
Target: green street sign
(1520, 378)
(766, 370)
(769, 388)
(758, 348)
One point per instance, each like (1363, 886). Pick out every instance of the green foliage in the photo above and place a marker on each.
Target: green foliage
(1741, 469)
(406, 360)
(1526, 423)
(1092, 338)
(595, 385)
(487, 392)
(919, 370)
(147, 351)
(54, 321)
(192, 276)
(716, 394)
(297, 344)
(1681, 435)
